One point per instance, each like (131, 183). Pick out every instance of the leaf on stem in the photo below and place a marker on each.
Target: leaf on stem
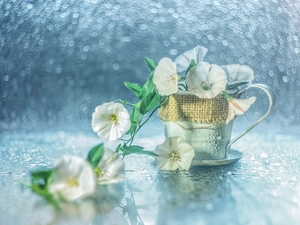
(135, 88)
(134, 118)
(39, 180)
(151, 64)
(192, 64)
(95, 154)
(41, 177)
(43, 192)
(149, 102)
(149, 86)
(135, 149)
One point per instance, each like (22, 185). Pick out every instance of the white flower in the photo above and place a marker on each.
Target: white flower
(111, 121)
(183, 61)
(165, 77)
(110, 168)
(206, 80)
(73, 178)
(238, 73)
(174, 153)
(237, 106)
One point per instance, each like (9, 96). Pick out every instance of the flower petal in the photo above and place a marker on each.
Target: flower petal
(72, 168)
(238, 107)
(111, 121)
(237, 73)
(184, 60)
(112, 168)
(184, 153)
(165, 77)
(206, 80)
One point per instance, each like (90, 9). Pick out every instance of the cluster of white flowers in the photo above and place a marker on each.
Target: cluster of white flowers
(111, 120)
(204, 80)
(74, 177)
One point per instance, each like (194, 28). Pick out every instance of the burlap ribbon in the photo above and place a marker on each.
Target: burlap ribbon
(191, 108)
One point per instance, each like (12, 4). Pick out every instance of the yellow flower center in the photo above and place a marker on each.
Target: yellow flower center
(113, 118)
(174, 155)
(99, 172)
(73, 182)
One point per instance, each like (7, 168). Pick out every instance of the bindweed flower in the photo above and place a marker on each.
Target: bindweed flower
(206, 80)
(238, 73)
(111, 121)
(165, 77)
(184, 60)
(175, 153)
(110, 168)
(73, 178)
(237, 106)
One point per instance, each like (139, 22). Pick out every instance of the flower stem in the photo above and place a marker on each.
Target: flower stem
(125, 103)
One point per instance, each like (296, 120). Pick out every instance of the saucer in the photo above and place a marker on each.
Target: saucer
(232, 157)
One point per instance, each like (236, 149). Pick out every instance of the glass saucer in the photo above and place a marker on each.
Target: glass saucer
(232, 157)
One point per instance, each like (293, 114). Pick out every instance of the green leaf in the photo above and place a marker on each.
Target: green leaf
(134, 118)
(151, 64)
(149, 102)
(192, 64)
(135, 149)
(153, 102)
(149, 86)
(135, 88)
(95, 154)
(45, 194)
(41, 177)
(118, 148)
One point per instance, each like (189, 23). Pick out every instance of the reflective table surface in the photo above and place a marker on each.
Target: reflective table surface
(261, 188)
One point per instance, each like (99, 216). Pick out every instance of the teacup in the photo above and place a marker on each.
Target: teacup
(201, 122)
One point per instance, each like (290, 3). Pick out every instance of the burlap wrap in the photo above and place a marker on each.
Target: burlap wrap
(194, 109)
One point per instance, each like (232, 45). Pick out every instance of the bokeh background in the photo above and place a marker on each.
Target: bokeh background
(60, 59)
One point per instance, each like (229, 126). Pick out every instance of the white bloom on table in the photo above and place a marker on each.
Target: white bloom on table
(237, 73)
(237, 106)
(206, 80)
(73, 178)
(183, 61)
(165, 77)
(175, 153)
(110, 168)
(111, 121)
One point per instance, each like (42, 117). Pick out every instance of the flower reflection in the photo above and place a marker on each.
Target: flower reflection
(97, 209)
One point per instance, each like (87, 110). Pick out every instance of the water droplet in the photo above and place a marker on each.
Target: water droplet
(173, 52)
(116, 66)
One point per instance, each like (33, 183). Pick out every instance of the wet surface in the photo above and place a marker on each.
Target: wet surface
(261, 188)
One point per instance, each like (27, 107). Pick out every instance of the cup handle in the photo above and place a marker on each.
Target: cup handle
(272, 100)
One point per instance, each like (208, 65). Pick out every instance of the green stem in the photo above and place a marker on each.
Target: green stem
(125, 103)
(141, 124)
